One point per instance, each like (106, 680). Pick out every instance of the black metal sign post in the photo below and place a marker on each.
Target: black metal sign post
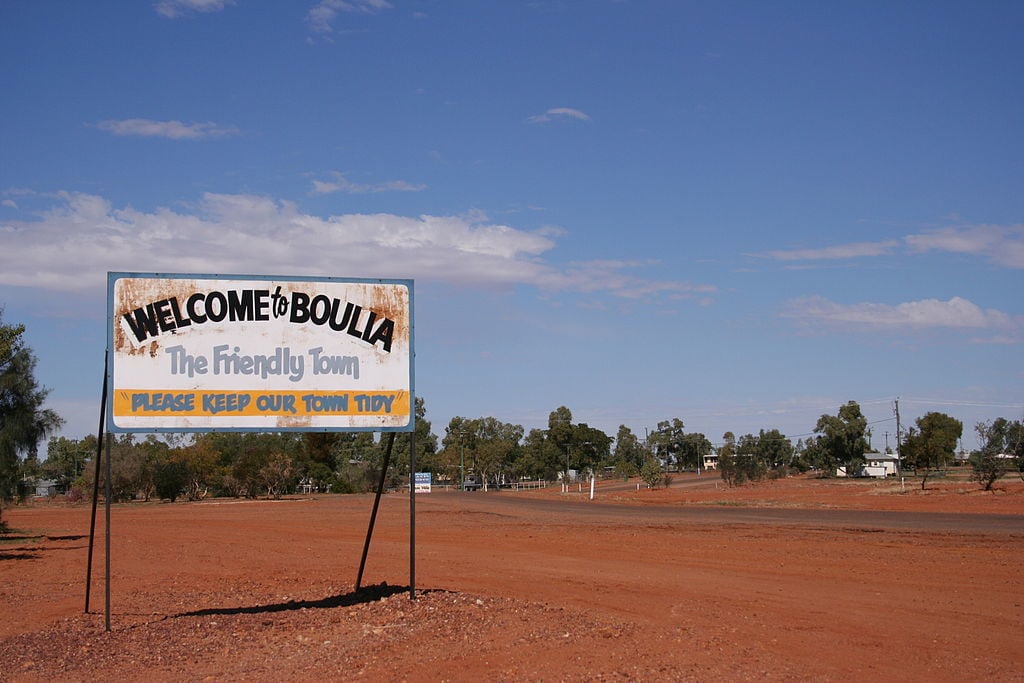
(96, 483)
(95, 499)
(376, 504)
(412, 515)
(107, 490)
(412, 512)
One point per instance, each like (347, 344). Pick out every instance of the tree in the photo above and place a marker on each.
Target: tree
(727, 468)
(581, 446)
(651, 472)
(322, 448)
(275, 474)
(23, 420)
(629, 453)
(150, 456)
(933, 441)
(257, 462)
(591, 447)
(200, 459)
(127, 473)
(560, 434)
(802, 455)
(1002, 436)
(426, 443)
(497, 443)
(671, 443)
(66, 459)
(692, 449)
(750, 463)
(359, 464)
(666, 441)
(491, 446)
(728, 444)
(987, 469)
(774, 449)
(539, 457)
(842, 439)
(1002, 444)
(170, 479)
(460, 440)
(753, 458)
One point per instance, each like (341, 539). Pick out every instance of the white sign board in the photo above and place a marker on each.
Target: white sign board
(258, 353)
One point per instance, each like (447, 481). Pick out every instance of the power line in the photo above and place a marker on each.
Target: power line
(974, 404)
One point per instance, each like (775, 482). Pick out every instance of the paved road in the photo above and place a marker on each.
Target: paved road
(861, 520)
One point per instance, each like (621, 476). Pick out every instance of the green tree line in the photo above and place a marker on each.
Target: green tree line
(248, 464)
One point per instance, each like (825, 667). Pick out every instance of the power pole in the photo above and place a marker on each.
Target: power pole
(899, 458)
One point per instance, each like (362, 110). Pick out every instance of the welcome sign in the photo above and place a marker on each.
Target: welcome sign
(258, 353)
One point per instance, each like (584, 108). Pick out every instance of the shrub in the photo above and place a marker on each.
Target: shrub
(170, 479)
(987, 470)
(651, 473)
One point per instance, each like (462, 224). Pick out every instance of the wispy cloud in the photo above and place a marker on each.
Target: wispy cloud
(79, 237)
(339, 183)
(174, 130)
(1002, 245)
(956, 313)
(322, 16)
(173, 9)
(842, 251)
(559, 113)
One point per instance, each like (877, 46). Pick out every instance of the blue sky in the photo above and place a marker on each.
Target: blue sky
(738, 214)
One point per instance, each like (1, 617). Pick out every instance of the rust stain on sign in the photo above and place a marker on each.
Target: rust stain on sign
(134, 293)
(392, 302)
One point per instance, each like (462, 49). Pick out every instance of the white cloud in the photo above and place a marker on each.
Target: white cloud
(956, 313)
(172, 9)
(321, 17)
(80, 237)
(341, 184)
(559, 112)
(842, 251)
(1002, 245)
(175, 130)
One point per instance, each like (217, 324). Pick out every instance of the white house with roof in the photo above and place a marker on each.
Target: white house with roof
(887, 463)
(879, 465)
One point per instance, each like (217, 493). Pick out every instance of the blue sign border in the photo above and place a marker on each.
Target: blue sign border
(113, 276)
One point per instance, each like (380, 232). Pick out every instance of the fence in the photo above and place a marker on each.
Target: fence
(523, 485)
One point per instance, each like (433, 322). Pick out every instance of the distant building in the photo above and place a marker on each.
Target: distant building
(45, 488)
(887, 461)
(878, 465)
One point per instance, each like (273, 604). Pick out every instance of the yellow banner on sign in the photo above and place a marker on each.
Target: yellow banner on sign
(205, 403)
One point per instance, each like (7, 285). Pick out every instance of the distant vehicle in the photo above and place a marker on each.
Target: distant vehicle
(473, 482)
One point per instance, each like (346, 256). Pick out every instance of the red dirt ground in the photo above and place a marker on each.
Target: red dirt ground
(796, 579)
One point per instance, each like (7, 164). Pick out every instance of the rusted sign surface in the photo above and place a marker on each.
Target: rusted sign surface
(205, 353)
